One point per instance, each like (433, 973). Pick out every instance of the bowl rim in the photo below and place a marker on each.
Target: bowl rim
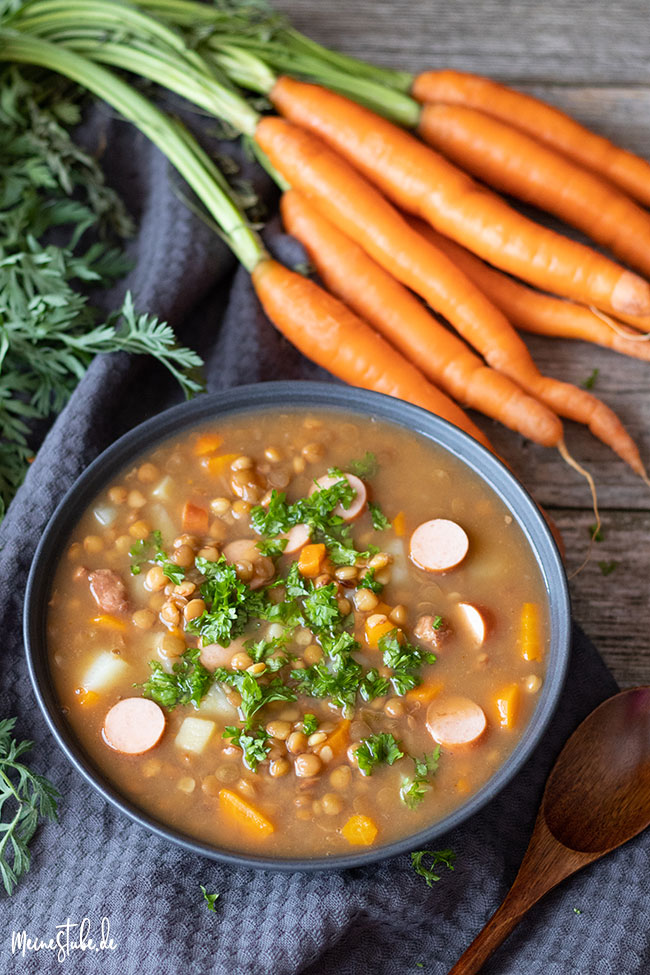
(292, 395)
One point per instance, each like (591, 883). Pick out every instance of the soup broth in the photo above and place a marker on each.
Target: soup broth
(297, 635)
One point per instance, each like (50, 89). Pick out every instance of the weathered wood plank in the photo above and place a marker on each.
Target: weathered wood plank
(580, 41)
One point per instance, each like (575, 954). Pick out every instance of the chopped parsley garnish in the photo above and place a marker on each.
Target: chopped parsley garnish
(140, 552)
(364, 467)
(446, 857)
(379, 520)
(310, 724)
(368, 581)
(608, 567)
(253, 694)
(210, 899)
(269, 651)
(272, 546)
(414, 790)
(340, 685)
(373, 685)
(590, 381)
(316, 510)
(188, 682)
(404, 659)
(253, 744)
(230, 603)
(322, 609)
(381, 749)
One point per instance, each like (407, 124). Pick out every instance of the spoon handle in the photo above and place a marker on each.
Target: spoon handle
(546, 863)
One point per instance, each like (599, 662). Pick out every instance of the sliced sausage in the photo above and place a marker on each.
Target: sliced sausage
(296, 537)
(108, 591)
(474, 621)
(246, 550)
(426, 631)
(358, 502)
(455, 721)
(438, 545)
(134, 725)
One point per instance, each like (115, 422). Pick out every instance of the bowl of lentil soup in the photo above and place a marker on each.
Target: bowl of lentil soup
(297, 625)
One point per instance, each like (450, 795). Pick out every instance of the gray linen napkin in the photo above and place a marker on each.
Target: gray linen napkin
(381, 919)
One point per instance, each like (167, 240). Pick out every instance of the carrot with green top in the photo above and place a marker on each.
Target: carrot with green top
(422, 182)
(359, 209)
(540, 314)
(329, 334)
(370, 291)
(513, 162)
(544, 122)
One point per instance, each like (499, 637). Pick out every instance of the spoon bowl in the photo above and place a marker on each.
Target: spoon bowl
(596, 798)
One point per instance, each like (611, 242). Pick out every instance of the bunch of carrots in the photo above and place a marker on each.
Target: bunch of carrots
(393, 220)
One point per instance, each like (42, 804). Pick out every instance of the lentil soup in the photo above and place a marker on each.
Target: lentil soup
(298, 635)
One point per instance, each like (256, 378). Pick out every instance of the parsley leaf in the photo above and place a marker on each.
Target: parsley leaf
(230, 603)
(26, 797)
(254, 745)
(590, 381)
(414, 790)
(188, 682)
(373, 685)
(381, 749)
(140, 550)
(404, 659)
(272, 546)
(310, 724)
(608, 567)
(341, 685)
(446, 857)
(364, 467)
(210, 899)
(368, 581)
(322, 608)
(379, 520)
(596, 533)
(253, 694)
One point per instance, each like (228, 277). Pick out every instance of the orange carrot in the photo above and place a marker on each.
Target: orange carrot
(311, 559)
(207, 443)
(359, 830)
(538, 313)
(349, 273)
(571, 402)
(543, 122)
(338, 740)
(420, 181)
(513, 162)
(194, 519)
(244, 813)
(363, 213)
(331, 335)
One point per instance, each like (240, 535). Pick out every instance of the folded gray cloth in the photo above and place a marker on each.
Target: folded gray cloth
(96, 863)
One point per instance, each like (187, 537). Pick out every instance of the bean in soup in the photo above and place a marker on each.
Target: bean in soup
(298, 635)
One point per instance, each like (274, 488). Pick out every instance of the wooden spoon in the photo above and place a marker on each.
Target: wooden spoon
(597, 797)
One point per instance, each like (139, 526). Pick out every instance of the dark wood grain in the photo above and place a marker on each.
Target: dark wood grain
(589, 57)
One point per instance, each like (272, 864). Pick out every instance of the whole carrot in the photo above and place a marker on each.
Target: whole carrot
(360, 210)
(576, 404)
(421, 182)
(538, 313)
(543, 122)
(513, 162)
(370, 291)
(329, 334)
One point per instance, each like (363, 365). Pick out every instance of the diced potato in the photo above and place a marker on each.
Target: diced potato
(194, 734)
(105, 671)
(161, 520)
(163, 490)
(216, 702)
(105, 514)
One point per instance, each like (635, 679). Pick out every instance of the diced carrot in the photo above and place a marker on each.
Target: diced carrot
(359, 831)
(311, 559)
(462, 786)
(530, 639)
(217, 465)
(338, 740)
(399, 524)
(383, 608)
(245, 812)
(207, 443)
(375, 631)
(424, 693)
(195, 519)
(86, 698)
(110, 622)
(508, 706)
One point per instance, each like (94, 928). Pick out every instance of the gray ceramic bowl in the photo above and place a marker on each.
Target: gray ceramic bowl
(280, 396)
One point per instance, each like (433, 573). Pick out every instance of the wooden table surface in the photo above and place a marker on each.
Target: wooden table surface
(589, 57)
